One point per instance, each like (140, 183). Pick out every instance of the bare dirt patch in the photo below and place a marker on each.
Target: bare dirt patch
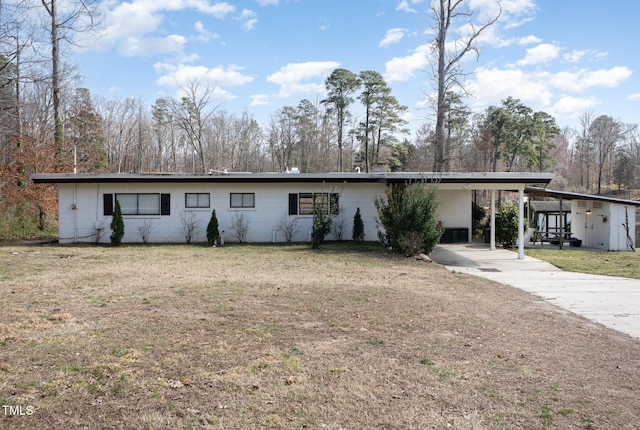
(152, 337)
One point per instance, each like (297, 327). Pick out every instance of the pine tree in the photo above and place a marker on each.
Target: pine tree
(117, 225)
(213, 232)
(358, 227)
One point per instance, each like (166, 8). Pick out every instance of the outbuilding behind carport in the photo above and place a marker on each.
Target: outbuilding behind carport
(599, 222)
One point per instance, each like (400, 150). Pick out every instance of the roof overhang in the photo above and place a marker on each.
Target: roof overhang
(566, 195)
(444, 178)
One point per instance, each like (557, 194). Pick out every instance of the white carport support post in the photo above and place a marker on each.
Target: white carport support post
(521, 224)
(492, 232)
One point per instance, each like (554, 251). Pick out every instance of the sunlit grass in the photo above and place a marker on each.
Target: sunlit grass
(625, 264)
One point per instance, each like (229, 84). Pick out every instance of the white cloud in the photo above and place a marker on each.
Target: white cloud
(574, 56)
(542, 53)
(249, 18)
(542, 90)
(204, 35)
(260, 100)
(512, 7)
(393, 36)
(493, 85)
(403, 68)
(140, 46)
(267, 2)
(294, 78)
(584, 79)
(529, 40)
(296, 72)
(130, 25)
(568, 106)
(633, 97)
(180, 75)
(405, 6)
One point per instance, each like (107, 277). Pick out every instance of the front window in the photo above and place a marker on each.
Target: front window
(327, 201)
(197, 200)
(243, 200)
(139, 204)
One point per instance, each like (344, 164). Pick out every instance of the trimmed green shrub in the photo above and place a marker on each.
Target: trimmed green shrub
(358, 227)
(407, 218)
(478, 215)
(213, 232)
(321, 226)
(117, 225)
(507, 225)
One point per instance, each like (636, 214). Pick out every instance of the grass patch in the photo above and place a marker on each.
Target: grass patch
(258, 336)
(624, 264)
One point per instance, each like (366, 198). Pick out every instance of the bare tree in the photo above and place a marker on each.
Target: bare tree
(192, 113)
(604, 132)
(448, 74)
(76, 17)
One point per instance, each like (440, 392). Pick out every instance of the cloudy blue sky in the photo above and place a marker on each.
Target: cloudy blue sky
(564, 57)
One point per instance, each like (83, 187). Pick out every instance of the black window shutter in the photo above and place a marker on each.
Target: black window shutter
(293, 204)
(165, 204)
(107, 204)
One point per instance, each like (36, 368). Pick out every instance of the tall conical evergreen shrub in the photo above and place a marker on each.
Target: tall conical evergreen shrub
(117, 225)
(358, 227)
(213, 232)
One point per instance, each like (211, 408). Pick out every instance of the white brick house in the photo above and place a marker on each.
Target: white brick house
(264, 199)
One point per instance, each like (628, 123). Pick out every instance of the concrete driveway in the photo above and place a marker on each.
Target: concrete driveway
(610, 301)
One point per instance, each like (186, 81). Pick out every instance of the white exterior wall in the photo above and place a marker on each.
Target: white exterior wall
(604, 227)
(271, 205)
(455, 209)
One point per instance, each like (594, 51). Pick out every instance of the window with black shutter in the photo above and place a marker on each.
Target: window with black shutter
(107, 204)
(293, 204)
(165, 204)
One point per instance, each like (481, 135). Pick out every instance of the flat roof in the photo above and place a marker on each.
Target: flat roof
(566, 195)
(232, 177)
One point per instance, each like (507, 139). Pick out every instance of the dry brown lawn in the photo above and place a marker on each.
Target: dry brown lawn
(282, 337)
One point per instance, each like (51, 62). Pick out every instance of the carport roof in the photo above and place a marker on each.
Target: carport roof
(566, 195)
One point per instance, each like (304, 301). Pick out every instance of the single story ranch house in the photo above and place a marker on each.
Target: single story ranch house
(162, 202)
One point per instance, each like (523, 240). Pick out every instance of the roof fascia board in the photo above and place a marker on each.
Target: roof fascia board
(475, 181)
(544, 192)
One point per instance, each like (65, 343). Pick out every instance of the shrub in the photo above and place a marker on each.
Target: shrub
(145, 229)
(407, 215)
(288, 226)
(321, 226)
(478, 214)
(117, 225)
(507, 225)
(213, 231)
(190, 225)
(240, 226)
(358, 227)
(338, 225)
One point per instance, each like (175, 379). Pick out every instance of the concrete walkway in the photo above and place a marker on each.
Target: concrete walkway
(613, 302)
